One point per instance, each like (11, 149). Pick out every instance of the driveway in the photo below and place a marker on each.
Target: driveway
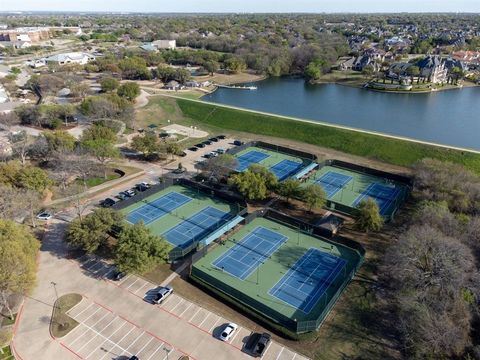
(114, 319)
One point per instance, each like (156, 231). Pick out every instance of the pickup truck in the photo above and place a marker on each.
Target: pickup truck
(257, 344)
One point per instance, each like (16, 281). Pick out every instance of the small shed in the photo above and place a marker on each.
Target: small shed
(330, 224)
(172, 85)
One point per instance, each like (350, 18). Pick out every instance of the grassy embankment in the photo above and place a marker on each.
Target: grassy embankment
(393, 151)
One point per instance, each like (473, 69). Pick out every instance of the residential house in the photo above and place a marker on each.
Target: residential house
(363, 61)
(433, 69)
(165, 44)
(173, 85)
(347, 64)
(70, 58)
(148, 47)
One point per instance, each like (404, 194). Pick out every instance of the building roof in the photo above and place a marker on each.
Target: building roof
(429, 62)
(68, 56)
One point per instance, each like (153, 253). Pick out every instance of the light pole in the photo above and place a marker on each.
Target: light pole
(56, 293)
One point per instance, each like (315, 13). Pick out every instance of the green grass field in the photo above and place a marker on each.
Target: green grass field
(199, 202)
(251, 293)
(355, 187)
(393, 151)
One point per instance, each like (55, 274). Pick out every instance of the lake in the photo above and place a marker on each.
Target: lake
(447, 117)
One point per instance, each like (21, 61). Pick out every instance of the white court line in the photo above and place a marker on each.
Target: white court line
(131, 284)
(144, 346)
(155, 351)
(134, 341)
(234, 336)
(94, 337)
(181, 300)
(211, 329)
(280, 353)
(188, 307)
(119, 341)
(206, 317)
(140, 288)
(199, 308)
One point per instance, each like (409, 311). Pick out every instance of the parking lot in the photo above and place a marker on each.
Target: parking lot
(185, 310)
(102, 334)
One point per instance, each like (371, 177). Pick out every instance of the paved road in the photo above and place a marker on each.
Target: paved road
(115, 319)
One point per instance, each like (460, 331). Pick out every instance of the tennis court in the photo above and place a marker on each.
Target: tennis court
(264, 260)
(281, 164)
(346, 188)
(308, 279)
(384, 196)
(196, 226)
(241, 260)
(249, 158)
(332, 182)
(157, 208)
(286, 168)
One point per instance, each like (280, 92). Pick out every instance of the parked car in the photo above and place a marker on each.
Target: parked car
(238, 142)
(108, 202)
(200, 145)
(257, 343)
(221, 151)
(118, 275)
(214, 139)
(228, 331)
(133, 357)
(162, 294)
(147, 185)
(183, 154)
(122, 196)
(193, 148)
(130, 192)
(221, 137)
(44, 216)
(210, 155)
(207, 142)
(141, 187)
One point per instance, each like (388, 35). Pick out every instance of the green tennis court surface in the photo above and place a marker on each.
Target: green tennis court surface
(288, 276)
(181, 215)
(349, 188)
(282, 165)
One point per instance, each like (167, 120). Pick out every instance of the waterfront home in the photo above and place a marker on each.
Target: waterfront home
(347, 64)
(433, 69)
(70, 58)
(363, 61)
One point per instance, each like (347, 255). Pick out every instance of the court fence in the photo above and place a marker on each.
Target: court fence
(352, 211)
(263, 310)
(223, 194)
(305, 156)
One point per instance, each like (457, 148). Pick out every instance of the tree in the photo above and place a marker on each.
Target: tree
(129, 90)
(312, 71)
(100, 141)
(413, 71)
(138, 250)
(211, 67)
(288, 189)
(60, 141)
(314, 197)
(18, 204)
(269, 177)
(134, 68)
(220, 166)
(91, 232)
(80, 90)
(33, 178)
(368, 216)
(182, 75)
(250, 185)
(235, 65)
(173, 148)
(109, 84)
(18, 250)
(147, 144)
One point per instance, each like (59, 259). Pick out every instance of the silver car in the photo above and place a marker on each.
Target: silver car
(162, 294)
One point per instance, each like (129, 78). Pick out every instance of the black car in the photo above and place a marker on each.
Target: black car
(221, 137)
(141, 187)
(257, 343)
(118, 275)
(183, 153)
(207, 142)
(193, 148)
(201, 145)
(107, 203)
(133, 357)
(238, 142)
(214, 139)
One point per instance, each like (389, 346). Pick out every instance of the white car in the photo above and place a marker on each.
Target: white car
(162, 294)
(228, 331)
(44, 216)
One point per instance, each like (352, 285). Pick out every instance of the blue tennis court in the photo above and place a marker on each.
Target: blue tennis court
(157, 208)
(332, 182)
(384, 196)
(285, 169)
(249, 158)
(245, 256)
(308, 279)
(196, 227)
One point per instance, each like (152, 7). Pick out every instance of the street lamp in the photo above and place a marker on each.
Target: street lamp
(56, 293)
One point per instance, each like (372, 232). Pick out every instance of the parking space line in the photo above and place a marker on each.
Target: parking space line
(74, 306)
(206, 317)
(181, 300)
(81, 312)
(280, 353)
(156, 351)
(144, 346)
(188, 307)
(199, 308)
(131, 284)
(146, 284)
(78, 337)
(112, 269)
(266, 350)
(119, 341)
(95, 336)
(89, 316)
(294, 356)
(106, 339)
(123, 280)
(214, 324)
(134, 341)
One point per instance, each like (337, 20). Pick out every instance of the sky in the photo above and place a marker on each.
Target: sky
(314, 6)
